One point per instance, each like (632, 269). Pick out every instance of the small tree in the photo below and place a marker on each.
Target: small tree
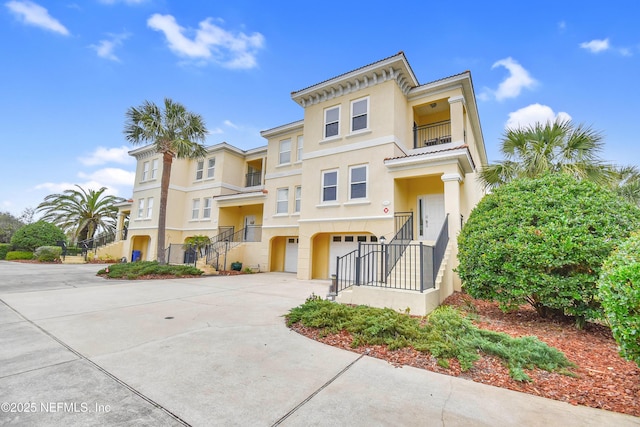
(542, 242)
(198, 242)
(32, 236)
(8, 225)
(619, 290)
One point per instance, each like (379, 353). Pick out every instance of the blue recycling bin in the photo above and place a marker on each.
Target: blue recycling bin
(136, 256)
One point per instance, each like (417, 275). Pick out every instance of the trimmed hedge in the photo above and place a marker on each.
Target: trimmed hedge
(19, 255)
(48, 253)
(4, 248)
(619, 291)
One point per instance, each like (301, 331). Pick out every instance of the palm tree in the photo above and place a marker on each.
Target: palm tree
(175, 132)
(551, 147)
(81, 212)
(627, 183)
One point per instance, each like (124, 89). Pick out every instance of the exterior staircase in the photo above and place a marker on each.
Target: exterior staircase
(74, 259)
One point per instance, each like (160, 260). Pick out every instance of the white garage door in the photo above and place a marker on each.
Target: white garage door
(342, 245)
(291, 255)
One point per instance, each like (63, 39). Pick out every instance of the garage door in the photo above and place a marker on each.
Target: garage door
(291, 255)
(343, 244)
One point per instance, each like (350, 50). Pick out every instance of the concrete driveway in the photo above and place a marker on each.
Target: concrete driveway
(79, 350)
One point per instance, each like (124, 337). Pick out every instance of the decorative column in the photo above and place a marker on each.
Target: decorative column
(452, 207)
(456, 109)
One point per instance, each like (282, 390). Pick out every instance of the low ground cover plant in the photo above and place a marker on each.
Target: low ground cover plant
(143, 269)
(446, 334)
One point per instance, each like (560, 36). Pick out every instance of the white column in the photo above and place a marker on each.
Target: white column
(452, 207)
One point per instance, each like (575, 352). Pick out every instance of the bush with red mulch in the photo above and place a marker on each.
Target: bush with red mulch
(604, 380)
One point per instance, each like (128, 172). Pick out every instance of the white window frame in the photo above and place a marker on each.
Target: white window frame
(141, 208)
(365, 182)
(211, 167)
(284, 153)
(327, 122)
(324, 187)
(366, 114)
(149, 207)
(195, 209)
(299, 147)
(298, 199)
(199, 170)
(145, 171)
(206, 208)
(282, 200)
(154, 168)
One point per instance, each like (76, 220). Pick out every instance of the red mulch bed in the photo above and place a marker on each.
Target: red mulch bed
(604, 380)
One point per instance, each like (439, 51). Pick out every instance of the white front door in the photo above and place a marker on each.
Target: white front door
(249, 228)
(291, 255)
(430, 216)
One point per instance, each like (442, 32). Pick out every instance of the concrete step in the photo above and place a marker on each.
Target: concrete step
(74, 259)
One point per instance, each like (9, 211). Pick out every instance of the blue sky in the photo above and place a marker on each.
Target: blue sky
(70, 70)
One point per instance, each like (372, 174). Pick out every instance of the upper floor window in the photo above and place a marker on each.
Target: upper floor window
(195, 209)
(199, 169)
(154, 168)
(149, 207)
(285, 152)
(330, 186)
(206, 209)
(145, 171)
(358, 182)
(331, 122)
(282, 201)
(298, 195)
(141, 208)
(211, 167)
(359, 113)
(300, 145)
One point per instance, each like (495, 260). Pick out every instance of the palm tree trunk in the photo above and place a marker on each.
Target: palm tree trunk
(167, 160)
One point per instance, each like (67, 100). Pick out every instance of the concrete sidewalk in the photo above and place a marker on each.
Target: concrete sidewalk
(79, 350)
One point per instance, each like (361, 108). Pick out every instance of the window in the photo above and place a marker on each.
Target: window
(282, 200)
(154, 168)
(358, 182)
(195, 209)
(206, 210)
(359, 110)
(300, 145)
(330, 186)
(298, 195)
(145, 171)
(362, 238)
(211, 167)
(331, 122)
(199, 169)
(149, 207)
(285, 151)
(140, 208)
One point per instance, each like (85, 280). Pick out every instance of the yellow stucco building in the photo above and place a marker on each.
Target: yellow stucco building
(378, 159)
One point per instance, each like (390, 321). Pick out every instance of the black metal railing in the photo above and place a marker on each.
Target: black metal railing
(402, 239)
(372, 264)
(254, 179)
(102, 239)
(223, 242)
(432, 134)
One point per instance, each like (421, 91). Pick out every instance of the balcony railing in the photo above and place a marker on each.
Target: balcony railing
(432, 134)
(254, 179)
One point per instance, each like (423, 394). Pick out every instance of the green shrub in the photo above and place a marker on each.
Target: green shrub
(542, 242)
(446, 334)
(19, 255)
(32, 236)
(4, 248)
(137, 269)
(619, 290)
(48, 253)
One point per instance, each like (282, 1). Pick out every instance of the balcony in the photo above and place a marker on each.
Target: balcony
(254, 179)
(432, 134)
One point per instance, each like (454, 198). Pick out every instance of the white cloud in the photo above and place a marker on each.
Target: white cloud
(116, 181)
(532, 114)
(105, 48)
(517, 80)
(33, 14)
(102, 155)
(110, 177)
(596, 46)
(562, 25)
(216, 131)
(210, 42)
(231, 124)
